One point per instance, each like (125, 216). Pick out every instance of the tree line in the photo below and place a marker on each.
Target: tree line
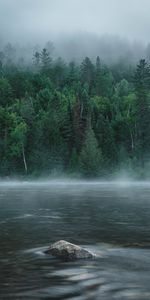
(85, 119)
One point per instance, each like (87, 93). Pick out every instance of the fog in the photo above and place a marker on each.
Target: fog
(116, 31)
(73, 183)
(111, 29)
(76, 46)
(26, 20)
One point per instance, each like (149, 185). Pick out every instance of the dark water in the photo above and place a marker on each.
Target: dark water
(113, 220)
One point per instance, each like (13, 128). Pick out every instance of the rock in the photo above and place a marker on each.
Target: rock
(67, 251)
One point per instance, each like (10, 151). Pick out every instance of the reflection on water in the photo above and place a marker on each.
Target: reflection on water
(110, 219)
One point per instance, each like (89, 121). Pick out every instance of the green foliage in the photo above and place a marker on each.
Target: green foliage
(142, 87)
(5, 92)
(90, 159)
(45, 60)
(17, 136)
(87, 72)
(47, 111)
(74, 161)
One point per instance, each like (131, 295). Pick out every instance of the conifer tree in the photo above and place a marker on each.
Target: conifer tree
(142, 86)
(45, 60)
(90, 159)
(36, 60)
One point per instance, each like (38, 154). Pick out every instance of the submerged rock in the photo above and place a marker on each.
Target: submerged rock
(67, 251)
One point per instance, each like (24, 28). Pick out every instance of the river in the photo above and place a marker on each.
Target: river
(111, 219)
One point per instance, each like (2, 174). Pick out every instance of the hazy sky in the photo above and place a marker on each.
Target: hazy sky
(27, 20)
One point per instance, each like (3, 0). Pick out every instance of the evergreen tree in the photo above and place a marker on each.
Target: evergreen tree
(87, 73)
(59, 72)
(98, 77)
(142, 87)
(45, 60)
(90, 159)
(5, 92)
(47, 111)
(36, 60)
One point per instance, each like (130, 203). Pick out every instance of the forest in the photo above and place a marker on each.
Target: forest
(85, 119)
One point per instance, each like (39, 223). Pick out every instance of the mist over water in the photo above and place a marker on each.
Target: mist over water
(70, 183)
(109, 218)
(41, 100)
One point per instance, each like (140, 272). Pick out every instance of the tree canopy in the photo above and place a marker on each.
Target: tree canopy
(73, 118)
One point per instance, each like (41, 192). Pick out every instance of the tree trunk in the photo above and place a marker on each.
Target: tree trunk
(81, 111)
(132, 140)
(24, 159)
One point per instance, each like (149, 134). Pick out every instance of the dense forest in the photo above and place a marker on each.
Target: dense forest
(82, 119)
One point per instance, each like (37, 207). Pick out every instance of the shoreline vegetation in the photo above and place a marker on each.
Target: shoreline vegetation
(85, 120)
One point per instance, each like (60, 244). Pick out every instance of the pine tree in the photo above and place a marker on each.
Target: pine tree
(87, 72)
(90, 159)
(45, 60)
(98, 76)
(142, 86)
(36, 60)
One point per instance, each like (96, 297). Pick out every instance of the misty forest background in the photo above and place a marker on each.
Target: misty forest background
(84, 117)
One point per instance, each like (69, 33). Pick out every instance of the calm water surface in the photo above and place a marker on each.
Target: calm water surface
(113, 220)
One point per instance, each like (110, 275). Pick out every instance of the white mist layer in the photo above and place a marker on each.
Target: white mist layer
(71, 182)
